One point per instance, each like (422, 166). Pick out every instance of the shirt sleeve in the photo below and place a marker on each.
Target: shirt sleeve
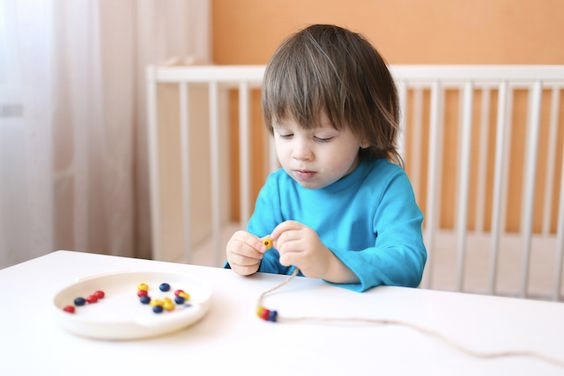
(398, 256)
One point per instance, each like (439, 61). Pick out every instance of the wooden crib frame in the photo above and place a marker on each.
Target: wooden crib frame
(482, 145)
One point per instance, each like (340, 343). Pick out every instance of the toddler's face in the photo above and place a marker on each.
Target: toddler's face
(315, 157)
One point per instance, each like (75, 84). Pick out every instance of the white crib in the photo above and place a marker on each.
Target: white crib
(483, 146)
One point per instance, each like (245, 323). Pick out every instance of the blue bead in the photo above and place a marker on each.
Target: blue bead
(164, 287)
(272, 316)
(179, 300)
(145, 299)
(158, 309)
(79, 301)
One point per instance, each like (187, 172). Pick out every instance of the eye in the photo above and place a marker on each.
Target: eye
(285, 135)
(322, 140)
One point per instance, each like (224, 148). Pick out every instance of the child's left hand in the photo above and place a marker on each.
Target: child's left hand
(299, 245)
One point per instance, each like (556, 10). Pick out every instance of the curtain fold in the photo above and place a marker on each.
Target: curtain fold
(73, 159)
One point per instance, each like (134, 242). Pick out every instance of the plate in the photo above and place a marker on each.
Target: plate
(120, 315)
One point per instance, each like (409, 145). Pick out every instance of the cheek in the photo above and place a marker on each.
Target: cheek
(281, 151)
(344, 160)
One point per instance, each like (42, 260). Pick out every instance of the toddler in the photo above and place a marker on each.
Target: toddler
(341, 208)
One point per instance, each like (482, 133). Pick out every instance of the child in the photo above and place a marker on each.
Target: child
(341, 208)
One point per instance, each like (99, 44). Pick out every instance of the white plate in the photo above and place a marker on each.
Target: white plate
(121, 315)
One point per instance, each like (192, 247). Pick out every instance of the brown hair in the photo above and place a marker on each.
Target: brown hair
(329, 68)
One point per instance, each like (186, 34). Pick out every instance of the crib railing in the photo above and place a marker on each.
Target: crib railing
(482, 146)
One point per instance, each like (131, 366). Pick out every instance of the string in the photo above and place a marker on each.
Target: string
(273, 316)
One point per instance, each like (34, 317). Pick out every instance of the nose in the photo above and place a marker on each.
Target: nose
(302, 150)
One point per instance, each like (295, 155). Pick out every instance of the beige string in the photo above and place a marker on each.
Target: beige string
(478, 354)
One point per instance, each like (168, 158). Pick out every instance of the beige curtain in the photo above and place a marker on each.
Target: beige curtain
(73, 153)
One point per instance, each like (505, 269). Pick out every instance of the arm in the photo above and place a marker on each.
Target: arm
(398, 256)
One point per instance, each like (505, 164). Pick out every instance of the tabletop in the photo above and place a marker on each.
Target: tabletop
(431, 332)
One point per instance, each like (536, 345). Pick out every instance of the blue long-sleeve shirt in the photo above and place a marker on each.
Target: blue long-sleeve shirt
(369, 219)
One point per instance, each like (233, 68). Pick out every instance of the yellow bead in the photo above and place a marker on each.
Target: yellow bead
(156, 302)
(185, 295)
(143, 286)
(260, 311)
(267, 242)
(169, 306)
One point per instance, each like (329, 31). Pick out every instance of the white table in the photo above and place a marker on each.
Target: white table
(230, 338)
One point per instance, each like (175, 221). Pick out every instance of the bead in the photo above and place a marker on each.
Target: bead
(141, 293)
(169, 306)
(100, 294)
(164, 287)
(145, 299)
(79, 301)
(69, 309)
(184, 295)
(264, 314)
(157, 309)
(260, 310)
(273, 315)
(157, 302)
(91, 299)
(143, 286)
(179, 300)
(267, 242)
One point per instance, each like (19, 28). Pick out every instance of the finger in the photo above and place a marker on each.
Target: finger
(283, 227)
(243, 260)
(249, 241)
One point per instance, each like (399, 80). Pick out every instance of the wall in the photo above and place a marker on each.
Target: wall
(404, 31)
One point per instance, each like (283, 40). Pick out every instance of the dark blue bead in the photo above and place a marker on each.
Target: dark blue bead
(272, 316)
(79, 301)
(179, 300)
(145, 299)
(157, 309)
(164, 287)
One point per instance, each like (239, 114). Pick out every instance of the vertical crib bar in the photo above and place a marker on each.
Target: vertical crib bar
(433, 168)
(244, 159)
(559, 250)
(550, 160)
(463, 181)
(214, 168)
(417, 125)
(529, 182)
(402, 96)
(499, 171)
(483, 158)
(153, 141)
(183, 100)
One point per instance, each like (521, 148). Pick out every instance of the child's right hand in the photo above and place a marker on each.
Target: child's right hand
(244, 252)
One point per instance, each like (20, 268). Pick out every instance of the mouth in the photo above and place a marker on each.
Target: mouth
(304, 174)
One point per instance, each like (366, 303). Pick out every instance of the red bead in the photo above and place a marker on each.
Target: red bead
(264, 314)
(91, 299)
(100, 294)
(69, 309)
(142, 293)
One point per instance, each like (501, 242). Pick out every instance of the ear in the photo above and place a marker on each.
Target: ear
(364, 144)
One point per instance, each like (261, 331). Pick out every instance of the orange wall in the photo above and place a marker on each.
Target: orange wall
(404, 31)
